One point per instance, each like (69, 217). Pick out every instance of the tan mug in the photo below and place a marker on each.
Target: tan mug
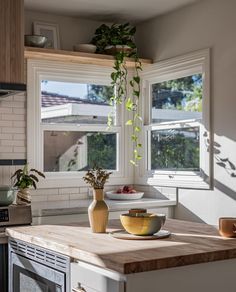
(227, 226)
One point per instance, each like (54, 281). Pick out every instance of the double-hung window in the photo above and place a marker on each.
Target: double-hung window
(177, 133)
(68, 106)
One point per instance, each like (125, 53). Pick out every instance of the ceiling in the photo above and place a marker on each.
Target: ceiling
(108, 10)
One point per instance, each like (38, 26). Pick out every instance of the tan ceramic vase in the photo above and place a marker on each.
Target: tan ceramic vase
(98, 212)
(23, 197)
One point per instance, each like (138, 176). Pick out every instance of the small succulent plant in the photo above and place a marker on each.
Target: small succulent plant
(97, 177)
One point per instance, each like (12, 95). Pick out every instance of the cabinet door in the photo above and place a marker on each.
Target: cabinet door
(93, 281)
(12, 41)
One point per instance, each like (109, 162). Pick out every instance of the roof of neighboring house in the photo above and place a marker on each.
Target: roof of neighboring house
(51, 99)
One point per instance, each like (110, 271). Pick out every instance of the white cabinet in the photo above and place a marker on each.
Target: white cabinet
(215, 276)
(95, 279)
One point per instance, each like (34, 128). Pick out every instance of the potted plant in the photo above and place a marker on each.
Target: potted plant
(118, 40)
(98, 209)
(24, 179)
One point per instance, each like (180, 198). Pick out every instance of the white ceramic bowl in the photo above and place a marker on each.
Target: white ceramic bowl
(86, 48)
(116, 196)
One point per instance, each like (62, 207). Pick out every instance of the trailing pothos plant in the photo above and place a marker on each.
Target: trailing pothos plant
(118, 40)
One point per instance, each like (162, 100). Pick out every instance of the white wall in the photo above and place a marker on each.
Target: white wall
(71, 30)
(208, 23)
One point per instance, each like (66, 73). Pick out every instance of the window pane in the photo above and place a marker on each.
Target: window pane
(179, 99)
(64, 102)
(77, 151)
(175, 149)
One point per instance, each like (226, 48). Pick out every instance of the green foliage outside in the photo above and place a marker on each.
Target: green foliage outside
(177, 149)
(181, 94)
(99, 93)
(102, 150)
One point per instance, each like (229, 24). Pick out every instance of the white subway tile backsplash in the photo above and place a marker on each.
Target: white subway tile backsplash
(12, 155)
(20, 97)
(13, 117)
(19, 124)
(19, 137)
(13, 130)
(78, 196)
(13, 143)
(47, 192)
(19, 149)
(5, 110)
(19, 111)
(39, 198)
(63, 191)
(58, 198)
(83, 190)
(13, 104)
(6, 136)
(4, 149)
(6, 123)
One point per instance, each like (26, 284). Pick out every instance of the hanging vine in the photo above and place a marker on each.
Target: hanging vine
(118, 39)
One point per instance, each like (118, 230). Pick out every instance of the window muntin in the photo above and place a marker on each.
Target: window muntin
(75, 103)
(79, 150)
(177, 99)
(175, 149)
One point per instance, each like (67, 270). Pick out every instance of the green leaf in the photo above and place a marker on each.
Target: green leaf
(129, 123)
(137, 129)
(134, 138)
(136, 79)
(133, 162)
(34, 177)
(136, 93)
(139, 157)
(137, 116)
(139, 145)
(129, 104)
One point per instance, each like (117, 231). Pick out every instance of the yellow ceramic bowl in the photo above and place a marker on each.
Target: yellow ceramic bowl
(142, 223)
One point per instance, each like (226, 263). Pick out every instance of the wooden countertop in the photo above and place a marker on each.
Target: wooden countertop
(190, 243)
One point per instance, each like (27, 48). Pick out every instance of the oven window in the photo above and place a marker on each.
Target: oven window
(27, 281)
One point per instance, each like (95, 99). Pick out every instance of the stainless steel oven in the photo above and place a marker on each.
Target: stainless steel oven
(33, 269)
(10, 216)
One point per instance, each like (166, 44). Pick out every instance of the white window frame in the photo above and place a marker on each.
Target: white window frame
(38, 70)
(174, 68)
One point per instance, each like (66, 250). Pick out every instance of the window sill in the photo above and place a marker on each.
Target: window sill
(176, 181)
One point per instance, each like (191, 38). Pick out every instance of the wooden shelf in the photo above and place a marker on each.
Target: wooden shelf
(76, 57)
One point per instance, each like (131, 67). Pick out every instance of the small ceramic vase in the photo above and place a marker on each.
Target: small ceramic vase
(98, 212)
(23, 197)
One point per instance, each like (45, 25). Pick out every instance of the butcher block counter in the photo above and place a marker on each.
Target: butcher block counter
(191, 248)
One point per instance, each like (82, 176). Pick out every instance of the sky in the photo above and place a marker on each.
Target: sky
(65, 88)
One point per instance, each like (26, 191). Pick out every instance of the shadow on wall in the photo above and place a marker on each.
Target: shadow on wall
(224, 162)
(187, 215)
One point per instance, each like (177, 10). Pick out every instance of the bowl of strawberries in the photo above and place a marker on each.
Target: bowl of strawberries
(124, 193)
